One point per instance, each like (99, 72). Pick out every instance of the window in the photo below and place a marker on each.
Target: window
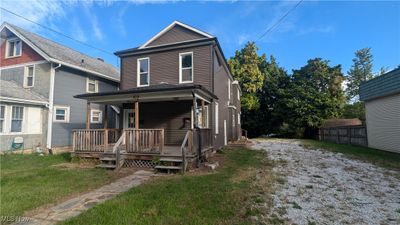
(61, 114)
(216, 118)
(239, 118)
(238, 93)
(229, 89)
(143, 72)
(96, 116)
(29, 76)
(13, 48)
(186, 67)
(16, 118)
(2, 115)
(92, 85)
(202, 118)
(233, 120)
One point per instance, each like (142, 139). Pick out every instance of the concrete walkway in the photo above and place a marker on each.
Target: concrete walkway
(77, 205)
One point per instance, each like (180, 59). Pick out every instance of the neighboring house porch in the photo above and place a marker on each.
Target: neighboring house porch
(155, 122)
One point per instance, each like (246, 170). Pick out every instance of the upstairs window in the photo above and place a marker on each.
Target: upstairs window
(2, 115)
(16, 118)
(186, 67)
(96, 116)
(13, 48)
(229, 89)
(143, 72)
(29, 76)
(92, 85)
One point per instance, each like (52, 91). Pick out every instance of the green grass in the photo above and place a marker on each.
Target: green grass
(381, 158)
(210, 198)
(30, 181)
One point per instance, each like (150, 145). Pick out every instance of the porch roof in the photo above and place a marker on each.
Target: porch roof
(152, 93)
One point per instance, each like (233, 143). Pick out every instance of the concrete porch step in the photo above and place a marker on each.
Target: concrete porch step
(168, 167)
(106, 166)
(108, 158)
(170, 160)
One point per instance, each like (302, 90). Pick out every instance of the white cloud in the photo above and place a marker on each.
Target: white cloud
(77, 30)
(98, 34)
(319, 29)
(119, 21)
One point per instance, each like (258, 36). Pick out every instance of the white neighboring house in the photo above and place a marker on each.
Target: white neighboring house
(382, 111)
(39, 79)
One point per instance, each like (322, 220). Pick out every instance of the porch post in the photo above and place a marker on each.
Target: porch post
(196, 128)
(88, 115)
(136, 114)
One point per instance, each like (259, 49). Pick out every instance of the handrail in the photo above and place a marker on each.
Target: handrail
(119, 142)
(183, 148)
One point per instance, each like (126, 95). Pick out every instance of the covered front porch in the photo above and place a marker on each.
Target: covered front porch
(154, 123)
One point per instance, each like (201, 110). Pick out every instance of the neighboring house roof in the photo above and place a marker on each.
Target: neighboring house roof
(341, 122)
(12, 92)
(384, 85)
(58, 53)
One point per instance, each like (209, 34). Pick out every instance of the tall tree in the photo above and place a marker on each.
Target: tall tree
(315, 95)
(360, 71)
(245, 67)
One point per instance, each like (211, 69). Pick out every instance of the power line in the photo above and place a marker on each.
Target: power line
(55, 31)
(280, 20)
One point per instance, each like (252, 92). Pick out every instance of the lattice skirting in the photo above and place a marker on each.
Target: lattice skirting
(139, 163)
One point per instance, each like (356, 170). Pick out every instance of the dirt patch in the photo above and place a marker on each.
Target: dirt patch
(69, 166)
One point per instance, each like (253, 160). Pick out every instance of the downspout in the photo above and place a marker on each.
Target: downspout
(51, 107)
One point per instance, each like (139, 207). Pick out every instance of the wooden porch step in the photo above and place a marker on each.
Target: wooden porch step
(170, 160)
(168, 167)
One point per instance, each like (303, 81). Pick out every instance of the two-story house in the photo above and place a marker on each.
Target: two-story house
(38, 81)
(177, 99)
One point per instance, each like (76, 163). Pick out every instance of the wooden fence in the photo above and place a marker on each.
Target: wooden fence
(355, 135)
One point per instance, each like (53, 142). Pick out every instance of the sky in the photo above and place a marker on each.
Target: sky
(332, 30)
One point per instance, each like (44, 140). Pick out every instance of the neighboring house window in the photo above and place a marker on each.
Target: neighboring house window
(186, 67)
(92, 85)
(238, 93)
(96, 116)
(202, 117)
(229, 89)
(239, 118)
(29, 76)
(233, 120)
(17, 117)
(143, 72)
(61, 114)
(13, 48)
(216, 118)
(2, 115)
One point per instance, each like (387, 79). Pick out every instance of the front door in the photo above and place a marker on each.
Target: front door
(129, 118)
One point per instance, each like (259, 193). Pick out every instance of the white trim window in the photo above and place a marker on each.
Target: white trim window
(29, 76)
(2, 117)
(17, 117)
(238, 93)
(92, 85)
(186, 67)
(96, 116)
(202, 116)
(61, 114)
(13, 48)
(216, 118)
(238, 115)
(143, 72)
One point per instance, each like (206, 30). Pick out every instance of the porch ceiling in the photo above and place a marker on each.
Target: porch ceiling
(153, 93)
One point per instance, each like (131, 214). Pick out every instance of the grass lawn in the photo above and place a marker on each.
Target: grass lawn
(200, 198)
(30, 181)
(381, 158)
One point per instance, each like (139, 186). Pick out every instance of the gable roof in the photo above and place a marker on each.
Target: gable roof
(201, 34)
(384, 85)
(12, 92)
(57, 53)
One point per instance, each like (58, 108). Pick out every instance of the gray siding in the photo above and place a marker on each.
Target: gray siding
(221, 78)
(68, 83)
(41, 78)
(176, 34)
(383, 123)
(164, 67)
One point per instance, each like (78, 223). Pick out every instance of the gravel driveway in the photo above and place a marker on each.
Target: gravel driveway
(328, 188)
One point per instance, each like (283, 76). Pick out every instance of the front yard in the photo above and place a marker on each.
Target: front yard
(31, 181)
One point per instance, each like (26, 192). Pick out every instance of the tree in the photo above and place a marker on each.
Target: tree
(245, 68)
(315, 94)
(354, 110)
(360, 71)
